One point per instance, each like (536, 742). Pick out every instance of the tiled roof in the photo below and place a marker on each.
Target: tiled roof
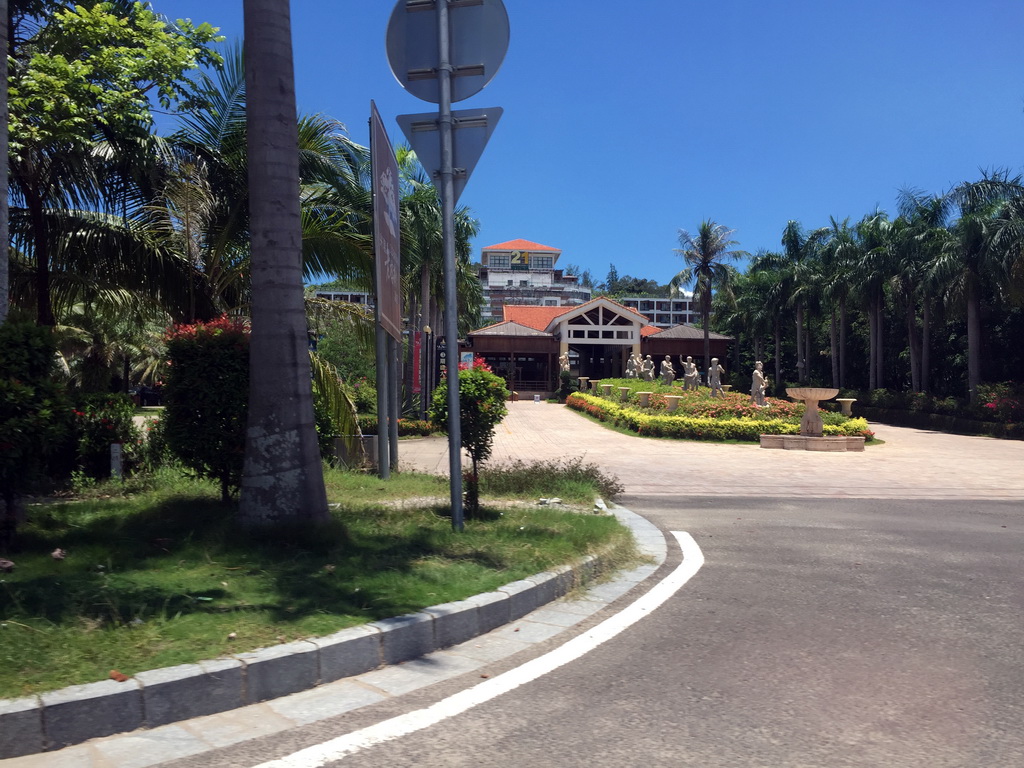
(520, 245)
(649, 330)
(508, 329)
(537, 318)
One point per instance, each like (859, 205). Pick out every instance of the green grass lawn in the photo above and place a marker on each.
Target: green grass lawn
(161, 575)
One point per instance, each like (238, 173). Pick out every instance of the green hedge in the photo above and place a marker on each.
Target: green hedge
(698, 428)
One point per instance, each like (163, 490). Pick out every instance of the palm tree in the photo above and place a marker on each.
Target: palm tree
(838, 255)
(705, 256)
(283, 477)
(970, 257)
(797, 267)
(773, 284)
(871, 273)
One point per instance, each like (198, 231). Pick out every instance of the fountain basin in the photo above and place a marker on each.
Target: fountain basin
(811, 393)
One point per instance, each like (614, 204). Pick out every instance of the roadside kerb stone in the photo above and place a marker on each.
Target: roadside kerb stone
(178, 693)
(523, 597)
(280, 670)
(454, 622)
(349, 652)
(157, 697)
(406, 637)
(492, 610)
(22, 731)
(80, 712)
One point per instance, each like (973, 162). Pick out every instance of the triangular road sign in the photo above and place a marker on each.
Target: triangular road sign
(471, 128)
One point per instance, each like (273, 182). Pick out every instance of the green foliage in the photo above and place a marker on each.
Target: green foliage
(364, 396)
(35, 415)
(1002, 403)
(482, 396)
(206, 396)
(89, 69)
(566, 385)
(406, 427)
(102, 419)
(652, 423)
(569, 479)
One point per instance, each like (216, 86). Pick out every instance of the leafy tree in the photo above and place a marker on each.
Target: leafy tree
(82, 81)
(482, 396)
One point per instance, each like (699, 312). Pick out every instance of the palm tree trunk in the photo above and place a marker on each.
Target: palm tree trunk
(807, 347)
(706, 315)
(778, 355)
(926, 343)
(973, 340)
(914, 347)
(880, 366)
(872, 347)
(842, 342)
(833, 339)
(283, 478)
(800, 366)
(34, 203)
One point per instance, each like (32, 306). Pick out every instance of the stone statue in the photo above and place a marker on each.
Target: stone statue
(668, 373)
(715, 378)
(563, 363)
(631, 367)
(647, 369)
(691, 378)
(758, 386)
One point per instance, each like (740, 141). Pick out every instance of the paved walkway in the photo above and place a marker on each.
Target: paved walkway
(912, 464)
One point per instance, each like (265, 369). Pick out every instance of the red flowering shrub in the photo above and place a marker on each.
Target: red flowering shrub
(206, 397)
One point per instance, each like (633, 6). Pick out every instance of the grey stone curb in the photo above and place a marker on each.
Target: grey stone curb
(57, 719)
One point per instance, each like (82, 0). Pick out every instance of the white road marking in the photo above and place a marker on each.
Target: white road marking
(396, 727)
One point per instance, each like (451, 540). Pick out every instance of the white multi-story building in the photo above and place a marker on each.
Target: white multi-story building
(522, 272)
(665, 312)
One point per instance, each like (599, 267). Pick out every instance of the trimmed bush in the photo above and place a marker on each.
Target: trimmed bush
(102, 419)
(35, 415)
(690, 427)
(206, 397)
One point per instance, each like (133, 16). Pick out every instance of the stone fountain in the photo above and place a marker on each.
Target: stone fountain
(810, 424)
(811, 437)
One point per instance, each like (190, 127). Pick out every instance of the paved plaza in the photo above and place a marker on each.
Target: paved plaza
(911, 464)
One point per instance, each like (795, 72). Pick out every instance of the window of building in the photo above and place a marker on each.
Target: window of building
(498, 261)
(542, 262)
(522, 284)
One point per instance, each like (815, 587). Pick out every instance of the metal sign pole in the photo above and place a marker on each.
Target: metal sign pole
(451, 299)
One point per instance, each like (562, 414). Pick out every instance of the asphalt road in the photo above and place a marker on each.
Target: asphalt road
(819, 632)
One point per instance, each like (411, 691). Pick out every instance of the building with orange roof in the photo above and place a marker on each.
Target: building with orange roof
(522, 272)
(597, 337)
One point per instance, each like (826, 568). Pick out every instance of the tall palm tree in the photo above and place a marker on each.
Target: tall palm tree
(838, 255)
(705, 255)
(798, 271)
(283, 477)
(969, 258)
(871, 273)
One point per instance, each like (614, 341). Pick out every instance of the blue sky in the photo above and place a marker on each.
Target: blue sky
(625, 122)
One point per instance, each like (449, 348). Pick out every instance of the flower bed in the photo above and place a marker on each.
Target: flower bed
(700, 417)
